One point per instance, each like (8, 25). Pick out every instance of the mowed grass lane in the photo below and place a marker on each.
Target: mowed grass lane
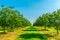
(38, 30)
(34, 31)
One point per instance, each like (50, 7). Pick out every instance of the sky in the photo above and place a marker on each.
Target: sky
(32, 9)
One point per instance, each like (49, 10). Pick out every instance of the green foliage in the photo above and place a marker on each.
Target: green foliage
(11, 19)
(49, 20)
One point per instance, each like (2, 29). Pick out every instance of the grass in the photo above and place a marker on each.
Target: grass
(1, 29)
(2, 32)
(28, 39)
(33, 32)
(33, 35)
(13, 35)
(31, 28)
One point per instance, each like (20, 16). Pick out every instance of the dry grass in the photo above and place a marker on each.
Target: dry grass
(13, 35)
(51, 31)
(17, 32)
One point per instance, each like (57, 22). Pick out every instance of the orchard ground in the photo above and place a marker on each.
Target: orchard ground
(31, 33)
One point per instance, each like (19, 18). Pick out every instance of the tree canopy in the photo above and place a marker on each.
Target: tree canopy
(49, 20)
(10, 18)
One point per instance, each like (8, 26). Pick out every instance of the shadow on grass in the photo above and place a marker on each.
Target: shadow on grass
(39, 36)
(2, 33)
(32, 28)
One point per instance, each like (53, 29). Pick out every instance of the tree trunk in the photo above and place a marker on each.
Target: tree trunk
(57, 30)
(4, 29)
(45, 27)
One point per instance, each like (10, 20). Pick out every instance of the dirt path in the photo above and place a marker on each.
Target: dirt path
(13, 35)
